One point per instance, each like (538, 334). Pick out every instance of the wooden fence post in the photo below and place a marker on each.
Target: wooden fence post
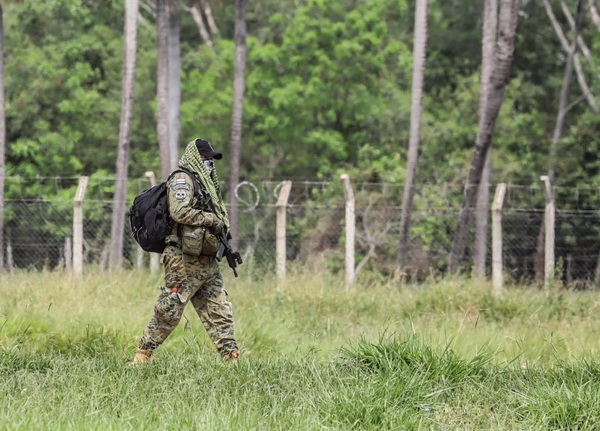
(153, 256)
(280, 232)
(350, 229)
(549, 223)
(497, 269)
(78, 227)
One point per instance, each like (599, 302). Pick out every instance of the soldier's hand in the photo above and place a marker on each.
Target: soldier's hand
(218, 228)
(210, 219)
(215, 224)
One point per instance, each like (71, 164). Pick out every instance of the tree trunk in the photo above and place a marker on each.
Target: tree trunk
(127, 85)
(499, 78)
(174, 85)
(2, 140)
(564, 92)
(419, 55)
(197, 16)
(162, 88)
(581, 79)
(488, 41)
(212, 26)
(594, 13)
(481, 220)
(237, 114)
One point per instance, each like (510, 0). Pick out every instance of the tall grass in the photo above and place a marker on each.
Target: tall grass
(442, 355)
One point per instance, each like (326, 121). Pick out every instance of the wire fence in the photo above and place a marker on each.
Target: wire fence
(38, 226)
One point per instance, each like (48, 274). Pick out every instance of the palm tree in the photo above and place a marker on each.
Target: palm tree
(237, 113)
(127, 85)
(503, 56)
(419, 52)
(174, 84)
(168, 93)
(162, 88)
(488, 41)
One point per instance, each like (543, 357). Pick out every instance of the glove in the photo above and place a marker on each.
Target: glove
(215, 225)
(218, 228)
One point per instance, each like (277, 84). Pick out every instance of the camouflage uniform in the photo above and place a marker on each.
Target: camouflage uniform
(189, 277)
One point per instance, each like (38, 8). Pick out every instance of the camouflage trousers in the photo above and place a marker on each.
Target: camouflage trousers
(197, 280)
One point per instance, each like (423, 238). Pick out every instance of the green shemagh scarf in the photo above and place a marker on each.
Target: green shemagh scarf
(192, 161)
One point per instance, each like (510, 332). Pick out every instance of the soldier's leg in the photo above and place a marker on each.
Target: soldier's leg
(167, 309)
(212, 304)
(167, 314)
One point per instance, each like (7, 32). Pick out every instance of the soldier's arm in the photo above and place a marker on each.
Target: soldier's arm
(180, 191)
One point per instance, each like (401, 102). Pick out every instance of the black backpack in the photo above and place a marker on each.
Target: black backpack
(149, 218)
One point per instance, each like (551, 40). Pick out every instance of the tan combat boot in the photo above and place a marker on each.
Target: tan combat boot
(142, 356)
(232, 356)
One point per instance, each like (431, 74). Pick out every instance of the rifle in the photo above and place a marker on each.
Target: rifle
(233, 257)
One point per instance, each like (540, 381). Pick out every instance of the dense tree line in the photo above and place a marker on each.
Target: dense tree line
(327, 89)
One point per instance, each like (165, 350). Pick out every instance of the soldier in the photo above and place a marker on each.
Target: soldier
(191, 270)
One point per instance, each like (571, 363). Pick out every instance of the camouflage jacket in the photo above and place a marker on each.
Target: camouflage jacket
(185, 207)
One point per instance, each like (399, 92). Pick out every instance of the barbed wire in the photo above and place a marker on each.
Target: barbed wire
(38, 220)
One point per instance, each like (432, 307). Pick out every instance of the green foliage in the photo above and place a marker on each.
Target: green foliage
(206, 94)
(314, 88)
(327, 88)
(61, 105)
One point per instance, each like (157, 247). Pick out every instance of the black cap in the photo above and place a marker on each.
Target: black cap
(206, 150)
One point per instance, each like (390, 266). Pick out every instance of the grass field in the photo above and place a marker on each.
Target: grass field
(442, 355)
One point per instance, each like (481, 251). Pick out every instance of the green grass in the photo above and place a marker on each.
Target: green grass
(443, 355)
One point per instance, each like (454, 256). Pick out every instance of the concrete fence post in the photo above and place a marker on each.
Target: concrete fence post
(280, 229)
(549, 224)
(497, 268)
(78, 227)
(350, 229)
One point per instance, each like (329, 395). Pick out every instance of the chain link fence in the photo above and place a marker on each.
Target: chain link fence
(38, 226)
